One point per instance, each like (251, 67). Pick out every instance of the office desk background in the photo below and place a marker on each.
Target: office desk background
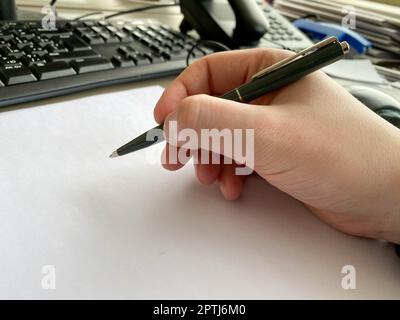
(314, 272)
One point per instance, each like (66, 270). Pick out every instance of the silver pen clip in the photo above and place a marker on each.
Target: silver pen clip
(299, 54)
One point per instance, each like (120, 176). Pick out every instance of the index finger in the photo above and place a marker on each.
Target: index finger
(215, 75)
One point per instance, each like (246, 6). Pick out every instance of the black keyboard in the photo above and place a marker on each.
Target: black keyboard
(38, 63)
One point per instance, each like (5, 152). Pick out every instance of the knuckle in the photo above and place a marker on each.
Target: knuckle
(272, 125)
(272, 131)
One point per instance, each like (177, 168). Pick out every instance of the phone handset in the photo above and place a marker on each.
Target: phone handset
(251, 23)
(235, 23)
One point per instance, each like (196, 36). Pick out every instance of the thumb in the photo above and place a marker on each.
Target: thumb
(218, 125)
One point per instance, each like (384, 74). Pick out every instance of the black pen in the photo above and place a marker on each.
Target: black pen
(275, 76)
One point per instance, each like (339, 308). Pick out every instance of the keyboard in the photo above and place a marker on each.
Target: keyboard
(38, 63)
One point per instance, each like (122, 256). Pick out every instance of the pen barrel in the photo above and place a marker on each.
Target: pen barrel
(145, 140)
(259, 86)
(286, 74)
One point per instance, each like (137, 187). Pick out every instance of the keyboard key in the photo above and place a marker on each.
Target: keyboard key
(166, 55)
(103, 23)
(52, 70)
(56, 48)
(157, 48)
(72, 55)
(89, 23)
(9, 61)
(93, 39)
(142, 28)
(166, 35)
(112, 29)
(122, 62)
(124, 51)
(146, 41)
(35, 50)
(23, 44)
(128, 28)
(155, 58)
(137, 35)
(16, 74)
(139, 60)
(81, 31)
(32, 24)
(76, 44)
(98, 29)
(176, 49)
(178, 55)
(108, 38)
(55, 34)
(42, 42)
(123, 36)
(5, 51)
(28, 36)
(90, 65)
(5, 37)
(31, 59)
(73, 24)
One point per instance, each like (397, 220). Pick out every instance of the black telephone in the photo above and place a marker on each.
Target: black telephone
(241, 23)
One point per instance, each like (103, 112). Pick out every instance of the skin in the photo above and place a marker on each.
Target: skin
(313, 141)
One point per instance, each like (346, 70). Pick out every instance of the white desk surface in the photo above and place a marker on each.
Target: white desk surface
(269, 246)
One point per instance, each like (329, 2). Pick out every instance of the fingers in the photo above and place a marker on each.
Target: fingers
(215, 124)
(207, 173)
(174, 158)
(215, 75)
(230, 184)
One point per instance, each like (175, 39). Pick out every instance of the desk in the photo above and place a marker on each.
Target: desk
(297, 256)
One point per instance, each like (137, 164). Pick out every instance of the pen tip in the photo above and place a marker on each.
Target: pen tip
(114, 154)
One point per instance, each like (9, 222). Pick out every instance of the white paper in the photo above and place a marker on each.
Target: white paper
(354, 70)
(125, 228)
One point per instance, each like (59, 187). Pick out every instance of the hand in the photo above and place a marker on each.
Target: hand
(313, 140)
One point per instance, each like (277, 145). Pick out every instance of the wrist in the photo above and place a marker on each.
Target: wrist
(392, 233)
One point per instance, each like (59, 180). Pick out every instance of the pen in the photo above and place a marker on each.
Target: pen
(273, 77)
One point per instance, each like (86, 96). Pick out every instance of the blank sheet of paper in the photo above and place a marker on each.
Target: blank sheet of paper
(126, 228)
(355, 70)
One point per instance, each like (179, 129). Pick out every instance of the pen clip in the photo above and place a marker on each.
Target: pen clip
(290, 59)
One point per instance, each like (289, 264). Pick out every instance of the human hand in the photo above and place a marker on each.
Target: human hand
(313, 140)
